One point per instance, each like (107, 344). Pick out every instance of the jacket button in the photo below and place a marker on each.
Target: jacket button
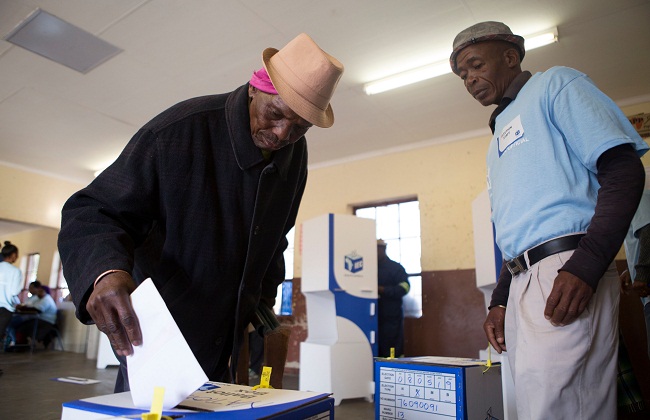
(257, 230)
(218, 341)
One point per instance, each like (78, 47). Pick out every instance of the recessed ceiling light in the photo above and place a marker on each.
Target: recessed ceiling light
(60, 41)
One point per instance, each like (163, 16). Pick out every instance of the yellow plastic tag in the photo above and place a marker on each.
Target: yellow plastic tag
(488, 363)
(265, 378)
(156, 404)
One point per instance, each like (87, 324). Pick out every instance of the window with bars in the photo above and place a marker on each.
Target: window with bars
(31, 269)
(398, 224)
(61, 284)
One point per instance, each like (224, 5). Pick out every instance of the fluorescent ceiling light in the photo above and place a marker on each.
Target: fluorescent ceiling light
(60, 41)
(430, 71)
(540, 39)
(407, 77)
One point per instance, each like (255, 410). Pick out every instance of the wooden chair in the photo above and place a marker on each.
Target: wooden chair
(276, 348)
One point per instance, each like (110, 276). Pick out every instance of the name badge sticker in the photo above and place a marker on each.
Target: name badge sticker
(512, 132)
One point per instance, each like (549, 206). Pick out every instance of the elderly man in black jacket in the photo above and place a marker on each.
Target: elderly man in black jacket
(201, 200)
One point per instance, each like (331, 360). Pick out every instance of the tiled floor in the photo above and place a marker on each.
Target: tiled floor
(28, 392)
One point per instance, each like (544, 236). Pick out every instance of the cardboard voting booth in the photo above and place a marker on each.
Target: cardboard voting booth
(339, 281)
(436, 388)
(215, 400)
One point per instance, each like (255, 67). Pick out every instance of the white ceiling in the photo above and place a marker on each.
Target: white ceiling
(57, 121)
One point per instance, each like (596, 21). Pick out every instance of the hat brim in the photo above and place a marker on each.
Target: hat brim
(299, 105)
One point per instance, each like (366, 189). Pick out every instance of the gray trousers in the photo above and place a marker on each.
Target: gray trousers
(564, 372)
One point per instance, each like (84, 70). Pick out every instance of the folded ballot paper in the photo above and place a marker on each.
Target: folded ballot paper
(164, 359)
(223, 397)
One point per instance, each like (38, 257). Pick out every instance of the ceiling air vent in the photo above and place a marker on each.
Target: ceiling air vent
(60, 41)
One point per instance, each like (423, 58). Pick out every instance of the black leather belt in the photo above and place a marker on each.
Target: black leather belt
(536, 254)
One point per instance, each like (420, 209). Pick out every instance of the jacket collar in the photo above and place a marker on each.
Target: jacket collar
(247, 154)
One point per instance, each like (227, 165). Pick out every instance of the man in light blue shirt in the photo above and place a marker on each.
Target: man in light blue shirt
(564, 179)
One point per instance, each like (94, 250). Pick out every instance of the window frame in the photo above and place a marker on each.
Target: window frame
(412, 309)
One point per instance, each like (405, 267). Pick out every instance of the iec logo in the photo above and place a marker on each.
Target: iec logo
(353, 262)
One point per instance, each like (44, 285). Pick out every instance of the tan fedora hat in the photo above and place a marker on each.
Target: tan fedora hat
(305, 77)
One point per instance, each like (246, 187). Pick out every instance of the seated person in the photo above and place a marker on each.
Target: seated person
(41, 303)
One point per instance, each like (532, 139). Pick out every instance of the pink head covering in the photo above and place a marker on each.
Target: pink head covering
(262, 81)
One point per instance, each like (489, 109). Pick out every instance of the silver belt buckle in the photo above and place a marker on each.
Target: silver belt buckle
(515, 267)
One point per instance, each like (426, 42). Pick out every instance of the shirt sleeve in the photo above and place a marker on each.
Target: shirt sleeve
(103, 223)
(589, 120)
(401, 285)
(621, 177)
(502, 290)
(18, 282)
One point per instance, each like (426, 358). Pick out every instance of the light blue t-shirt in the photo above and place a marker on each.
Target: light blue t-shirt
(542, 158)
(46, 305)
(641, 219)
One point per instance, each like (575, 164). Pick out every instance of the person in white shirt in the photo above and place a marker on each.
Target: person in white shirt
(10, 285)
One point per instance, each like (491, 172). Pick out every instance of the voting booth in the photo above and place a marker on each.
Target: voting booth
(339, 281)
(488, 265)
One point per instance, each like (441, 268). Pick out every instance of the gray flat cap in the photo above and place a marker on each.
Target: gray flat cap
(482, 32)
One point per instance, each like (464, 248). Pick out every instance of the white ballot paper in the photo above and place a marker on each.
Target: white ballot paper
(164, 359)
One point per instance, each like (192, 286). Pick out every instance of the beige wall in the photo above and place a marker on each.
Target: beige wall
(445, 178)
(33, 198)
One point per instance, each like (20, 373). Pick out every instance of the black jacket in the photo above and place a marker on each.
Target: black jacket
(191, 203)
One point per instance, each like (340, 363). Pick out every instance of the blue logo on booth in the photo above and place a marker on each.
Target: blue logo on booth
(353, 262)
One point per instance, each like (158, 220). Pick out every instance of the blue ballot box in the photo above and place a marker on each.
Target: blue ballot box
(432, 388)
(213, 401)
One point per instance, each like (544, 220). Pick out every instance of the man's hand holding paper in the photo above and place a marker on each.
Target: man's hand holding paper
(110, 307)
(164, 358)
